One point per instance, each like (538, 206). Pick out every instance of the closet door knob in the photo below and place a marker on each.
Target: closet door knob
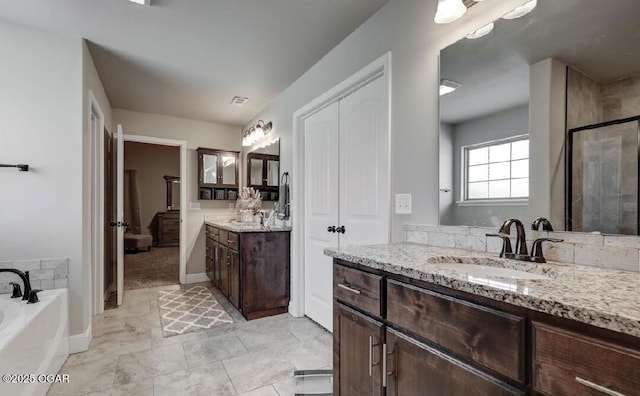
(331, 229)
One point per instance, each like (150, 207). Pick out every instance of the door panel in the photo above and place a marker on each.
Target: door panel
(224, 264)
(234, 278)
(120, 213)
(364, 165)
(357, 354)
(321, 211)
(417, 369)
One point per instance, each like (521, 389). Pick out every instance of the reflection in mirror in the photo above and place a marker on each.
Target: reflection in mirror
(210, 168)
(521, 90)
(273, 172)
(255, 172)
(173, 192)
(263, 171)
(228, 169)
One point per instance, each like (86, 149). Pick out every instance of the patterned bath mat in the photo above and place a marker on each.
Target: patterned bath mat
(188, 310)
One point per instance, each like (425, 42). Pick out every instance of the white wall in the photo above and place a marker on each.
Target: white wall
(406, 28)
(547, 118)
(41, 211)
(500, 125)
(196, 134)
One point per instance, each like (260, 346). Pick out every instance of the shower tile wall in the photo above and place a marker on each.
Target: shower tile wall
(44, 274)
(590, 102)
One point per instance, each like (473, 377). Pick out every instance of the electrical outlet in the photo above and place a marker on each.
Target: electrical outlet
(403, 203)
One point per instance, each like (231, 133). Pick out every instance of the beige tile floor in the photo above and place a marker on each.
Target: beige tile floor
(129, 356)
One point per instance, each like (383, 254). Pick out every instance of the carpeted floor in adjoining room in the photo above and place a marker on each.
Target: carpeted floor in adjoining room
(159, 267)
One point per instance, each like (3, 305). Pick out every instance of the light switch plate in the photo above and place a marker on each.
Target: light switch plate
(403, 203)
(194, 205)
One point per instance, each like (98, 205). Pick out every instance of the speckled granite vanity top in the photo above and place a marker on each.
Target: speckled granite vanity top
(245, 227)
(600, 297)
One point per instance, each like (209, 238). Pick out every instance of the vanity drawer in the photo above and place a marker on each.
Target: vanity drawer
(232, 240)
(357, 288)
(223, 235)
(491, 338)
(566, 363)
(171, 228)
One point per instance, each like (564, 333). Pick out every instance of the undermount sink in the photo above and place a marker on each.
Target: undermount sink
(485, 270)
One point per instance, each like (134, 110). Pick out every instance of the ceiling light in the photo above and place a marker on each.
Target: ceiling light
(143, 2)
(448, 86)
(449, 10)
(483, 31)
(522, 10)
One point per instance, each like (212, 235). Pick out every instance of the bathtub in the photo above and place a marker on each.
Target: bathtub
(34, 341)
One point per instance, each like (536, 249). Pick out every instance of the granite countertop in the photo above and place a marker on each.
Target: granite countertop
(600, 297)
(245, 227)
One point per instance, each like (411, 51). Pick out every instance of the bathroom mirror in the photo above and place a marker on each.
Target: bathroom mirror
(517, 93)
(263, 170)
(173, 192)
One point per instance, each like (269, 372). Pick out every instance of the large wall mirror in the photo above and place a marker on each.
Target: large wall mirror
(539, 117)
(263, 170)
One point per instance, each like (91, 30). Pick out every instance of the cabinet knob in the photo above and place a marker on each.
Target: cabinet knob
(331, 229)
(340, 229)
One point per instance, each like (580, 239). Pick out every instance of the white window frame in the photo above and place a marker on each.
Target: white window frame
(464, 201)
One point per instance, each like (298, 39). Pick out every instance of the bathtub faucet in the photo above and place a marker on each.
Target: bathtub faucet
(25, 279)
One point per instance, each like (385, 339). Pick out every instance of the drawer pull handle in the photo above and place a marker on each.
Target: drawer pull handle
(384, 365)
(370, 356)
(345, 287)
(597, 387)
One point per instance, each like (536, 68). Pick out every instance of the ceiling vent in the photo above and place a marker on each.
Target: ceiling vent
(238, 101)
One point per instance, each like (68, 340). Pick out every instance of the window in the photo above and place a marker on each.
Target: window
(497, 170)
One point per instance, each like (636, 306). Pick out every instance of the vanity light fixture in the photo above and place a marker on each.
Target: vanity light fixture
(256, 133)
(521, 11)
(483, 31)
(448, 86)
(449, 10)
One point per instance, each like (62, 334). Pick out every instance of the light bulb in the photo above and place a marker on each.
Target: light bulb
(522, 10)
(483, 31)
(449, 10)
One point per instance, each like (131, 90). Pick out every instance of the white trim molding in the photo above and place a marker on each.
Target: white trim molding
(494, 202)
(97, 206)
(379, 68)
(80, 342)
(197, 278)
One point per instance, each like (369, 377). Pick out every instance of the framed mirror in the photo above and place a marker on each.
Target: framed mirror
(509, 102)
(173, 192)
(263, 171)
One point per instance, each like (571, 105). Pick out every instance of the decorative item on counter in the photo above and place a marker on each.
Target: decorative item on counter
(248, 204)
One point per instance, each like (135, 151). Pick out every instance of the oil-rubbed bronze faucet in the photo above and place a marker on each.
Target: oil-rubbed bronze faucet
(521, 252)
(546, 224)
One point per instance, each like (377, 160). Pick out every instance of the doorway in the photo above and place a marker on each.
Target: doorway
(173, 195)
(152, 213)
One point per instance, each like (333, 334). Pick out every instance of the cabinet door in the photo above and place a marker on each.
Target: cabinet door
(357, 353)
(224, 264)
(216, 264)
(416, 369)
(234, 278)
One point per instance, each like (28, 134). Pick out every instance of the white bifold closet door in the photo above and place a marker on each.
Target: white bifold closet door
(346, 186)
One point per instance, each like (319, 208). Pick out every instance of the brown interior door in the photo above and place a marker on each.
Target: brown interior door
(109, 212)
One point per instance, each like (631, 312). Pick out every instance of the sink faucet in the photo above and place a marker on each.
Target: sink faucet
(546, 224)
(521, 243)
(25, 279)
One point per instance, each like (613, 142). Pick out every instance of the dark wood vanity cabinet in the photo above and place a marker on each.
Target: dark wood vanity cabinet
(251, 269)
(401, 337)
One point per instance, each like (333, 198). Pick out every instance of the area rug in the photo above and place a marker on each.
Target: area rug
(188, 310)
(159, 267)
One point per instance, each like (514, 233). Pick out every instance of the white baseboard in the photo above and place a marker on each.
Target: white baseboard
(197, 278)
(80, 342)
